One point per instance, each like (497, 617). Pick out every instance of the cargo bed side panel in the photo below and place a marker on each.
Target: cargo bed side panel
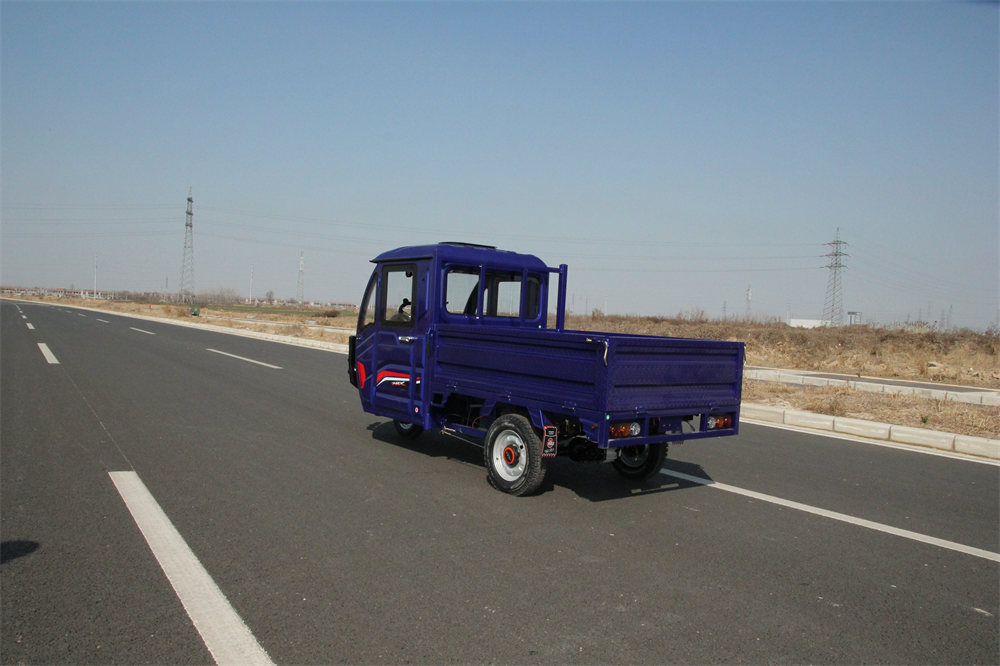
(548, 369)
(552, 370)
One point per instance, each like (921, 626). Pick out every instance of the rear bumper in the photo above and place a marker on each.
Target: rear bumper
(663, 428)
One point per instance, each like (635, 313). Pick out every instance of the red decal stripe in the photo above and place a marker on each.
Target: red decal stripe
(393, 375)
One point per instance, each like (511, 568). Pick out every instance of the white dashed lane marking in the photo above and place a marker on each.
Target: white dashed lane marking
(47, 353)
(244, 358)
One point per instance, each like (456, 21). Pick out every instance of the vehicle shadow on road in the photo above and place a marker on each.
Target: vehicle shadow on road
(432, 443)
(596, 482)
(599, 482)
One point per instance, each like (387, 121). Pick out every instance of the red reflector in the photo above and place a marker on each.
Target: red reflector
(719, 422)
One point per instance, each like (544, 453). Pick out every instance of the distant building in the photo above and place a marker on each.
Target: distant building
(807, 323)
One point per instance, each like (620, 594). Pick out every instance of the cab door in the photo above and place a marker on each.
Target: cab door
(389, 347)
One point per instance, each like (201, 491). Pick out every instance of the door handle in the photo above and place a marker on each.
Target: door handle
(406, 338)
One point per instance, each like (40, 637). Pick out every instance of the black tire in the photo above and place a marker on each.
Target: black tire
(513, 455)
(407, 430)
(640, 462)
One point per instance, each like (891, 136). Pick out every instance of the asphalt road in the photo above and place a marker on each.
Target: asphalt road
(334, 542)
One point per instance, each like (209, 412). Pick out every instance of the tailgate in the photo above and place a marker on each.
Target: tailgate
(651, 374)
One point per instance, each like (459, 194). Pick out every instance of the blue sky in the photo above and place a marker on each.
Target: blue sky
(673, 154)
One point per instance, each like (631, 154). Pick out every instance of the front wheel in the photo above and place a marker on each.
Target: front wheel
(407, 430)
(640, 462)
(513, 455)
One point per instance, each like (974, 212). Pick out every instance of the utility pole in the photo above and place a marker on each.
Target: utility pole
(250, 302)
(187, 267)
(300, 291)
(833, 306)
(95, 275)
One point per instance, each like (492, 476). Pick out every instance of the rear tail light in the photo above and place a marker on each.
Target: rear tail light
(619, 430)
(720, 421)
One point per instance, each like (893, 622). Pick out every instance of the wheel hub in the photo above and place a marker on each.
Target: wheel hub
(509, 458)
(634, 456)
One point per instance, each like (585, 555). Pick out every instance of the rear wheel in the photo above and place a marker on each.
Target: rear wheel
(513, 455)
(407, 430)
(640, 462)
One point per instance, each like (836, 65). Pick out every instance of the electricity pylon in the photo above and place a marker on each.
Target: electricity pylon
(833, 306)
(300, 292)
(187, 267)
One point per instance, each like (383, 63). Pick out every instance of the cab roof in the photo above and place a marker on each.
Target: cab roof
(466, 254)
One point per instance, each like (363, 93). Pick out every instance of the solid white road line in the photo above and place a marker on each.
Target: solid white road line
(141, 331)
(225, 634)
(30, 326)
(47, 353)
(243, 358)
(861, 522)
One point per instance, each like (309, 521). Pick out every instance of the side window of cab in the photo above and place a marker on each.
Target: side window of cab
(398, 301)
(462, 291)
(510, 295)
(390, 298)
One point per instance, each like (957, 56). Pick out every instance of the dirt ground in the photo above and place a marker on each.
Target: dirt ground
(959, 357)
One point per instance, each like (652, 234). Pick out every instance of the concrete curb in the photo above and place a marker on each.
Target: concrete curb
(989, 398)
(942, 441)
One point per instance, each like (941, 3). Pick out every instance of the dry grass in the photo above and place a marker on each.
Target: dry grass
(907, 410)
(962, 357)
(299, 326)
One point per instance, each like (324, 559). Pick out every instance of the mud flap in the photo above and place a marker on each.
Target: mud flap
(550, 441)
